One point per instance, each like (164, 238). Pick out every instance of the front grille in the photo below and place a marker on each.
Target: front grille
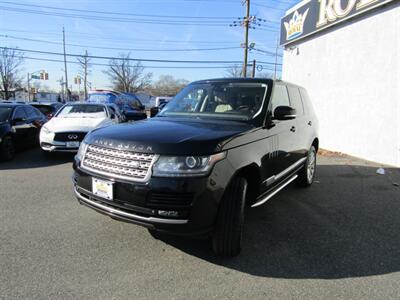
(123, 164)
(170, 199)
(69, 136)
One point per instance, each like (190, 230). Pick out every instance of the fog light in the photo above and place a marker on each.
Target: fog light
(168, 213)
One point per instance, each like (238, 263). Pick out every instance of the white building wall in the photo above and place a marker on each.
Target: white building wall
(352, 73)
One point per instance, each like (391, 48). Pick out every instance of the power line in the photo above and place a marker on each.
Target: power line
(137, 59)
(98, 37)
(117, 48)
(147, 66)
(121, 20)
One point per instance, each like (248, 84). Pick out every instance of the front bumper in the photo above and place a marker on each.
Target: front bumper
(49, 144)
(182, 206)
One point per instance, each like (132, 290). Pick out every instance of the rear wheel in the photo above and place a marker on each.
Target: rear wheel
(7, 148)
(227, 238)
(307, 173)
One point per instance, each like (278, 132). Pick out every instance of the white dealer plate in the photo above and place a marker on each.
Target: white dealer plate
(102, 188)
(72, 144)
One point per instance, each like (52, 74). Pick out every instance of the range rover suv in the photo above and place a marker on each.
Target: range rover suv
(217, 146)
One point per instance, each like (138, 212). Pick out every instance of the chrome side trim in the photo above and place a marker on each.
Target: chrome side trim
(274, 178)
(121, 213)
(291, 168)
(274, 192)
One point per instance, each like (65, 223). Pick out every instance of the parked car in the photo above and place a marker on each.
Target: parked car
(49, 109)
(116, 113)
(128, 103)
(19, 128)
(66, 130)
(159, 104)
(217, 146)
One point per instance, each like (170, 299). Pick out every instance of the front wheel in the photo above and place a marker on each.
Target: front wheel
(227, 238)
(7, 148)
(307, 173)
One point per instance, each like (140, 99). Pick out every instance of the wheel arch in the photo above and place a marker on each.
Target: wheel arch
(252, 175)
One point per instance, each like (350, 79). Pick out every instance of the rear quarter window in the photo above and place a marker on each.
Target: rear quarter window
(295, 100)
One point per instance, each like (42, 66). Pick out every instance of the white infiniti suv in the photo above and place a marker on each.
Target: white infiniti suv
(66, 130)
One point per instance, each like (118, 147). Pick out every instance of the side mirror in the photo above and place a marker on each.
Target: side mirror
(284, 113)
(112, 116)
(154, 111)
(141, 107)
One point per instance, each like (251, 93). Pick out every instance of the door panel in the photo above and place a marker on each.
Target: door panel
(280, 145)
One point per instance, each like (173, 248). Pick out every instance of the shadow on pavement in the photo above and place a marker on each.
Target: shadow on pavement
(346, 225)
(35, 158)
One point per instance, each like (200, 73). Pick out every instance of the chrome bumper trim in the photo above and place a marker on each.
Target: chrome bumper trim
(121, 213)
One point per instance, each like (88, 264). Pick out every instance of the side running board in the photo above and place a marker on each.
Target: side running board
(262, 201)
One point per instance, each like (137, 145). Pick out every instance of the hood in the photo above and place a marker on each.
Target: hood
(75, 124)
(170, 135)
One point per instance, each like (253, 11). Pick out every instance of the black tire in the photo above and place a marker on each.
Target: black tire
(227, 238)
(7, 149)
(306, 179)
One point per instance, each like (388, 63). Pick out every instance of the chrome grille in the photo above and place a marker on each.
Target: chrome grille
(123, 164)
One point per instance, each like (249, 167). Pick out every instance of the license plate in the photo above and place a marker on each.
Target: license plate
(102, 188)
(72, 144)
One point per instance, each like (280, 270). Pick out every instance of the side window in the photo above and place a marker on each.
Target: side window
(280, 97)
(295, 100)
(306, 101)
(30, 112)
(19, 113)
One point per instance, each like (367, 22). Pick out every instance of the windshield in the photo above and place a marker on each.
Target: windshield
(4, 113)
(82, 111)
(234, 101)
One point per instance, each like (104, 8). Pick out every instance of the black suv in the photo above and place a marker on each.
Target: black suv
(217, 146)
(19, 127)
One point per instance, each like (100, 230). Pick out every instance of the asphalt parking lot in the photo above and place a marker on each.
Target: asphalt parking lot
(338, 239)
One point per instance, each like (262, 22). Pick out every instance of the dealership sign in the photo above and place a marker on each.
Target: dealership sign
(315, 15)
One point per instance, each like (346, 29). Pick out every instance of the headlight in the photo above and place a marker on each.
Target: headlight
(46, 130)
(81, 151)
(185, 166)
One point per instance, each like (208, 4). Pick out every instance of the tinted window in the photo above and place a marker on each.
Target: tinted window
(45, 109)
(4, 113)
(295, 100)
(280, 97)
(19, 113)
(30, 112)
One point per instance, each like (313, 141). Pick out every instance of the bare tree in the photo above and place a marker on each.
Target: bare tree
(128, 76)
(84, 70)
(10, 77)
(167, 85)
(234, 71)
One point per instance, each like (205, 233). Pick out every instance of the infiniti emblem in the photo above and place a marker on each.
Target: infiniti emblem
(72, 137)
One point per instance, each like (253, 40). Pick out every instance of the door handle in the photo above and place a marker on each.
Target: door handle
(309, 123)
(293, 129)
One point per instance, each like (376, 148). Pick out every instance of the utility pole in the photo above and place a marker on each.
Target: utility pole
(65, 65)
(84, 70)
(29, 87)
(253, 73)
(246, 37)
(276, 56)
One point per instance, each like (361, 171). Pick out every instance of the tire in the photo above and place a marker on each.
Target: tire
(7, 149)
(227, 238)
(307, 173)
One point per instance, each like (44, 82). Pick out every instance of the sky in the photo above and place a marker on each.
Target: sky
(94, 25)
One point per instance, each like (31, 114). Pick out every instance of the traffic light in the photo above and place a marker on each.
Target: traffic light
(44, 76)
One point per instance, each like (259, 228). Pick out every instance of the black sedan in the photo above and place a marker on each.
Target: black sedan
(49, 109)
(19, 128)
